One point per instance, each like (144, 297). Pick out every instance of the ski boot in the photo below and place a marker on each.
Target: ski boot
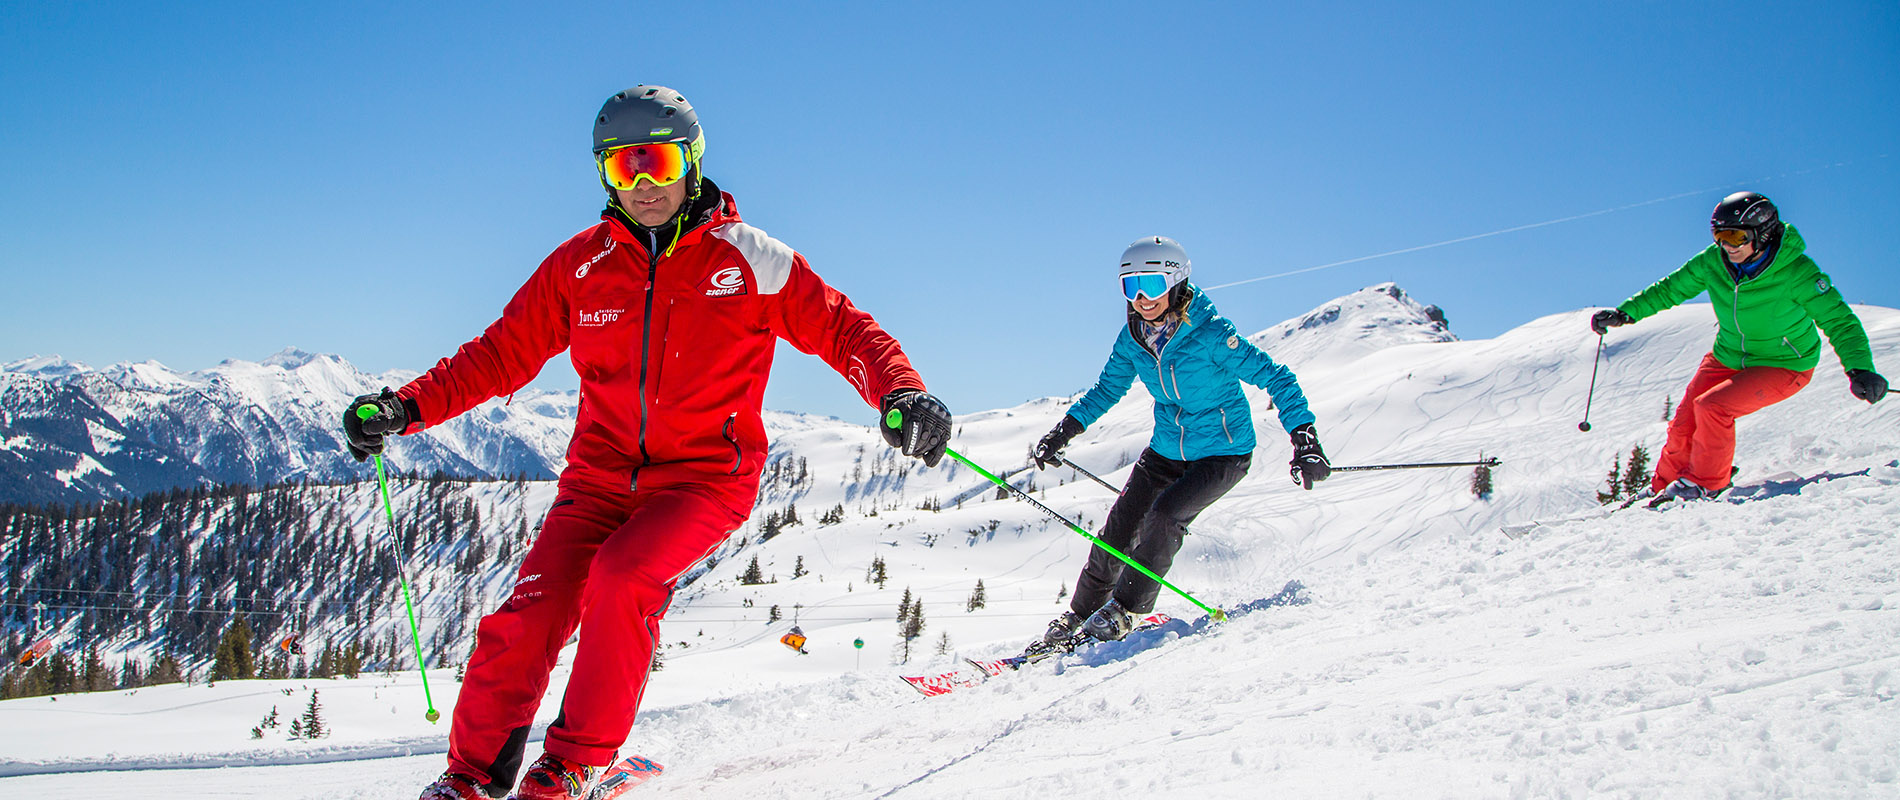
(456, 786)
(1109, 623)
(1680, 489)
(1063, 628)
(555, 778)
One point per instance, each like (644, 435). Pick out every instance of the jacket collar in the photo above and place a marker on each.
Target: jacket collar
(711, 209)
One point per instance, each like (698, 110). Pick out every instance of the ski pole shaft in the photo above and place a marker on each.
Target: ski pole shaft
(1091, 475)
(895, 419)
(1585, 424)
(402, 573)
(1489, 462)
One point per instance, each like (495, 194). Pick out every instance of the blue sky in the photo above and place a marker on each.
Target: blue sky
(194, 182)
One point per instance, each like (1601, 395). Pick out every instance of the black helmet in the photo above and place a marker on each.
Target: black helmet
(650, 115)
(1750, 212)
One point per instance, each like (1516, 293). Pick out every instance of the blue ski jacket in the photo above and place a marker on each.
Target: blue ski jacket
(1200, 410)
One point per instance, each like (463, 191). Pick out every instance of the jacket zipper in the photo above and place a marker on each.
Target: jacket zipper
(646, 335)
(738, 456)
(1223, 426)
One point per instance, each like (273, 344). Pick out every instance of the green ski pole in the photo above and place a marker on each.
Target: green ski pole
(402, 573)
(895, 419)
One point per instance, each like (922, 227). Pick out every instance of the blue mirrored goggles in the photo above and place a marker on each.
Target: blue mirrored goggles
(1152, 284)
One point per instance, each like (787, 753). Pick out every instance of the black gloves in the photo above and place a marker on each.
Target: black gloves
(1048, 452)
(1866, 384)
(924, 429)
(391, 415)
(1309, 461)
(1603, 321)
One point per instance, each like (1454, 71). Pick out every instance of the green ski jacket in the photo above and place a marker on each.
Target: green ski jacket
(1767, 320)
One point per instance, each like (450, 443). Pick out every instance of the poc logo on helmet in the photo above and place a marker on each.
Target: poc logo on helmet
(726, 282)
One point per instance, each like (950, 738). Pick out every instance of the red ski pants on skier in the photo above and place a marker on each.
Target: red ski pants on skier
(1701, 443)
(607, 563)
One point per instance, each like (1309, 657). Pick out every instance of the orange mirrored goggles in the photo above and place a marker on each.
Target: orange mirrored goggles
(1733, 237)
(661, 164)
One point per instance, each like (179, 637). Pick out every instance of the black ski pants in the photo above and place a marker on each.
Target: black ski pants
(1162, 496)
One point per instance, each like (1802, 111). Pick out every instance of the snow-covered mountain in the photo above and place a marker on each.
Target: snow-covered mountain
(254, 423)
(1707, 651)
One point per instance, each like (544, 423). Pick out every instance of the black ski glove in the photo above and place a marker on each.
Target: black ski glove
(1048, 452)
(1867, 385)
(392, 415)
(1309, 461)
(925, 428)
(1603, 321)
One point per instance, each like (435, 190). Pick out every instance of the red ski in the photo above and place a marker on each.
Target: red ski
(974, 672)
(623, 776)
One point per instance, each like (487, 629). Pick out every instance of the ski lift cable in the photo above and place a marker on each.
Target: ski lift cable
(1545, 223)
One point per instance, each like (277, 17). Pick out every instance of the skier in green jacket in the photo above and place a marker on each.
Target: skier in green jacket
(1769, 297)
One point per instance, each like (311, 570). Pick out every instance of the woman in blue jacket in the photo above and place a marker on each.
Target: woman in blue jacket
(1192, 360)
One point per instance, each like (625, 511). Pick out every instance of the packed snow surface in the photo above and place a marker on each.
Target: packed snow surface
(1711, 650)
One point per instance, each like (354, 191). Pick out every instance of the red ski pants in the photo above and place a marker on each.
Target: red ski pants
(607, 564)
(1701, 443)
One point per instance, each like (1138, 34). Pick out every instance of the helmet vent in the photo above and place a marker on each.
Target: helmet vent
(602, 120)
(670, 111)
(652, 92)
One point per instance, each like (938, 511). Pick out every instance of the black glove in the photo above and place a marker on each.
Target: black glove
(366, 435)
(1866, 384)
(1603, 321)
(1048, 452)
(925, 429)
(1309, 461)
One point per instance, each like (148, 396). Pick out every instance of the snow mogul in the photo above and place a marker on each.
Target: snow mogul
(1192, 360)
(1769, 298)
(669, 308)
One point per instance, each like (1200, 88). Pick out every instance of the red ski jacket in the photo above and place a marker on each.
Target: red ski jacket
(673, 349)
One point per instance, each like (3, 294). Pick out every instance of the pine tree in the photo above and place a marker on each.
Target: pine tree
(1669, 409)
(878, 574)
(977, 599)
(911, 624)
(1481, 480)
(313, 720)
(943, 644)
(798, 568)
(233, 660)
(1636, 475)
(1615, 480)
(753, 575)
(773, 615)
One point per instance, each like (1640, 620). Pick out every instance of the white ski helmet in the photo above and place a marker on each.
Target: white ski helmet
(1152, 255)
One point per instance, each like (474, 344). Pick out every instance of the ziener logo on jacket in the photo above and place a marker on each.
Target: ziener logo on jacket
(728, 281)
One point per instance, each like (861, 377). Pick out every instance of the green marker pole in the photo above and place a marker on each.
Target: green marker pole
(402, 573)
(895, 419)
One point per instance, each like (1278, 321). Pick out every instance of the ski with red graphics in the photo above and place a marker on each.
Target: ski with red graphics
(623, 776)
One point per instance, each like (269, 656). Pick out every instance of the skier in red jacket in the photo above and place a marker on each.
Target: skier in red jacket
(670, 308)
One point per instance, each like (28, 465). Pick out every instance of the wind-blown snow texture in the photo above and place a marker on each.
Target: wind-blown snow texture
(1712, 650)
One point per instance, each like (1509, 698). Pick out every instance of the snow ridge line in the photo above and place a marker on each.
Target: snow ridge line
(400, 748)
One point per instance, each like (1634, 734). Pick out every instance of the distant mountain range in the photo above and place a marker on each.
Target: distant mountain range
(73, 433)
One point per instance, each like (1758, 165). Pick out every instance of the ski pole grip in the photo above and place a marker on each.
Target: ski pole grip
(894, 419)
(365, 411)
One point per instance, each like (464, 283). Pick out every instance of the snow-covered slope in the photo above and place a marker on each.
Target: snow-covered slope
(1706, 651)
(255, 423)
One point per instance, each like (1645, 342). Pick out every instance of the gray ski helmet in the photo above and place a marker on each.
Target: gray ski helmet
(1751, 212)
(1157, 254)
(650, 115)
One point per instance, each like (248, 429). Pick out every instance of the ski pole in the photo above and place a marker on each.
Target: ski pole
(895, 419)
(1489, 462)
(402, 574)
(1585, 424)
(1091, 475)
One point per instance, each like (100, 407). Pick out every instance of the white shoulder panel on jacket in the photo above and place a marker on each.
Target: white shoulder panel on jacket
(770, 258)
